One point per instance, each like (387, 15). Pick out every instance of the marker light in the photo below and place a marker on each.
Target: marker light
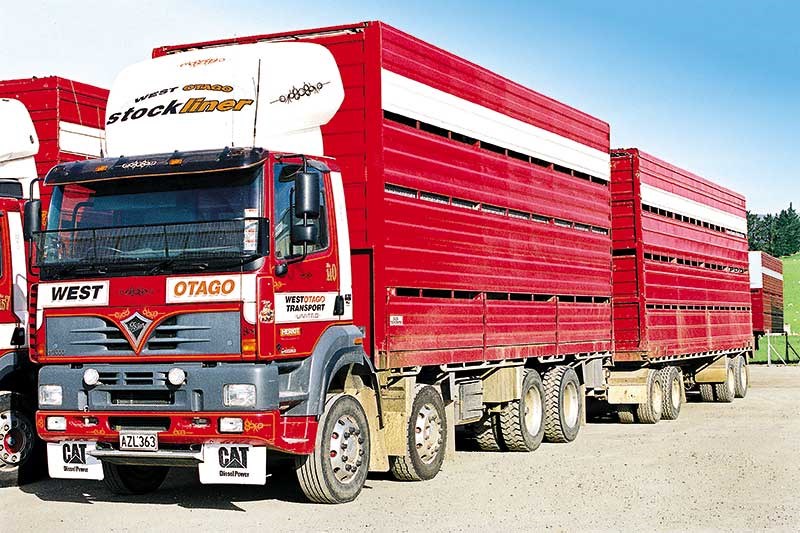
(51, 395)
(239, 395)
(91, 377)
(56, 423)
(176, 376)
(231, 425)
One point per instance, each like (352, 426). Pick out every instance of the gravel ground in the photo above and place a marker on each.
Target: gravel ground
(718, 467)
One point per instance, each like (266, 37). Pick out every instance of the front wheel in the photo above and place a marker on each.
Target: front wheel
(426, 438)
(337, 469)
(17, 436)
(133, 479)
(521, 422)
(742, 376)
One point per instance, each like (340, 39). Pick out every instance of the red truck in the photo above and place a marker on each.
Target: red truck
(681, 297)
(446, 263)
(766, 291)
(45, 121)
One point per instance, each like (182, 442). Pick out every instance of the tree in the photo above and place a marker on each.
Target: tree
(787, 233)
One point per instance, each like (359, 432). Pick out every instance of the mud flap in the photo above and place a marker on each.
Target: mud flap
(72, 460)
(233, 464)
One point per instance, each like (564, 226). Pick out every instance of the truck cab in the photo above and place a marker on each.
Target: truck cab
(18, 146)
(195, 303)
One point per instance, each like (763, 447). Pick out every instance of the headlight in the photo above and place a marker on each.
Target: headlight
(239, 395)
(176, 376)
(91, 377)
(51, 395)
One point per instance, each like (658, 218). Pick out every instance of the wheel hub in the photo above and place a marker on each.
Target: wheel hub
(658, 398)
(676, 394)
(16, 438)
(532, 403)
(428, 433)
(346, 452)
(571, 404)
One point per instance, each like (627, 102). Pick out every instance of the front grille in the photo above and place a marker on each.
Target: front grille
(183, 334)
(142, 397)
(133, 378)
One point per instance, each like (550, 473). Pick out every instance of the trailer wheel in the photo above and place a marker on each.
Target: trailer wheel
(742, 372)
(485, 433)
(17, 436)
(725, 391)
(337, 469)
(650, 411)
(626, 414)
(706, 391)
(426, 438)
(133, 479)
(522, 422)
(563, 404)
(672, 387)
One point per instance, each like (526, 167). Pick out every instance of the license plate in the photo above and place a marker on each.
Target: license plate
(138, 441)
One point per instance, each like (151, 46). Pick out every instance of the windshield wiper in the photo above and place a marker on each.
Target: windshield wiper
(169, 264)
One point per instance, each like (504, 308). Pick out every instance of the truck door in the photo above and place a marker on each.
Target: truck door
(306, 294)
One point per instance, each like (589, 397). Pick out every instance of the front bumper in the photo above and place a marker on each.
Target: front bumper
(181, 430)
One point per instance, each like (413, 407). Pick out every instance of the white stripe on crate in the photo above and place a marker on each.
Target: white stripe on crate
(662, 199)
(756, 279)
(81, 140)
(416, 100)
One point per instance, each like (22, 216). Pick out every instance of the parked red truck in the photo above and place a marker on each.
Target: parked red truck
(766, 291)
(45, 121)
(446, 263)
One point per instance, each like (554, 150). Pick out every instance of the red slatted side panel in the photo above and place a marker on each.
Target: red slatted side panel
(760, 310)
(440, 239)
(627, 258)
(53, 99)
(772, 295)
(695, 284)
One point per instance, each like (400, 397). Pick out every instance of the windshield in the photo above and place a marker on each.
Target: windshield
(148, 222)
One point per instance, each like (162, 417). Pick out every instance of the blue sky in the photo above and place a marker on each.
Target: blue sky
(712, 86)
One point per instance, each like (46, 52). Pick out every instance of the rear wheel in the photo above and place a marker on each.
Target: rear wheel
(17, 436)
(626, 414)
(725, 391)
(522, 422)
(672, 387)
(485, 433)
(650, 411)
(706, 391)
(337, 469)
(133, 479)
(426, 438)
(563, 404)
(742, 373)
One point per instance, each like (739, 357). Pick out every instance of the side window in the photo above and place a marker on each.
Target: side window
(284, 213)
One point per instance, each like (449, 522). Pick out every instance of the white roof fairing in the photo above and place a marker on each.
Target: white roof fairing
(271, 95)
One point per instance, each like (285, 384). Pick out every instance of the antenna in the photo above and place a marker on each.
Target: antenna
(258, 93)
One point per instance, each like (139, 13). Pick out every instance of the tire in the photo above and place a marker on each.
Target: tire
(742, 374)
(725, 391)
(706, 391)
(650, 411)
(426, 438)
(485, 434)
(563, 404)
(521, 422)
(672, 388)
(133, 479)
(625, 413)
(328, 475)
(18, 443)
